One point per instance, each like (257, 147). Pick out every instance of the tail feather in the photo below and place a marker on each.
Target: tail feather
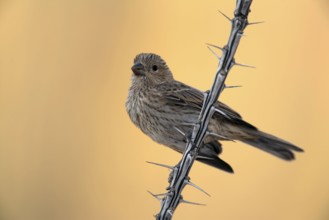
(271, 144)
(216, 162)
(209, 155)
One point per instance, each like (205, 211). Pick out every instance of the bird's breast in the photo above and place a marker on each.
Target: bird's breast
(159, 120)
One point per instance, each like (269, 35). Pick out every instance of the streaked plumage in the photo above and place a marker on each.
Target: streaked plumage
(157, 103)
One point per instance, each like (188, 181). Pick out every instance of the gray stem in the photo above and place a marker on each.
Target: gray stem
(179, 176)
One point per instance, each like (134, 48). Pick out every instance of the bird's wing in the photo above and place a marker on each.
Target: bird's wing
(179, 94)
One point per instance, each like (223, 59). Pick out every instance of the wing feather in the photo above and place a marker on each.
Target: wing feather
(179, 94)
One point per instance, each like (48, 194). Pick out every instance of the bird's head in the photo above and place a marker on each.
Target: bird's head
(150, 69)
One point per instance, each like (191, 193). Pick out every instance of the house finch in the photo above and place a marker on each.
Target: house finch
(159, 105)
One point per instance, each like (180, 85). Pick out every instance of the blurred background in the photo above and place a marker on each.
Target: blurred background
(68, 150)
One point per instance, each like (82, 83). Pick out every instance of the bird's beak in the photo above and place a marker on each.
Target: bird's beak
(138, 69)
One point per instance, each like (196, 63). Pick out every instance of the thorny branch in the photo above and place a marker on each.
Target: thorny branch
(179, 176)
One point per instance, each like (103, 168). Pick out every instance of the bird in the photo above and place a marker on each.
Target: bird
(159, 106)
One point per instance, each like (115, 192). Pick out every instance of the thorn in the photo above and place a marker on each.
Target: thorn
(228, 18)
(189, 124)
(212, 45)
(218, 57)
(157, 196)
(170, 212)
(258, 22)
(220, 112)
(180, 131)
(197, 187)
(183, 134)
(229, 87)
(219, 136)
(191, 203)
(161, 165)
(243, 65)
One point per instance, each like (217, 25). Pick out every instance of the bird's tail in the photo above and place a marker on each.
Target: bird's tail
(270, 144)
(208, 154)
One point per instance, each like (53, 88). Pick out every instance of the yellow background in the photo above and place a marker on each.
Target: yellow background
(68, 150)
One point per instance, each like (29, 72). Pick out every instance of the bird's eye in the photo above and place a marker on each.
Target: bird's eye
(154, 68)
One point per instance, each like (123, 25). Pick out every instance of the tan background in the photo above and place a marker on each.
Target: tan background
(68, 150)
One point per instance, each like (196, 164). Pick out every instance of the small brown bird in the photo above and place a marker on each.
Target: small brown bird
(158, 104)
